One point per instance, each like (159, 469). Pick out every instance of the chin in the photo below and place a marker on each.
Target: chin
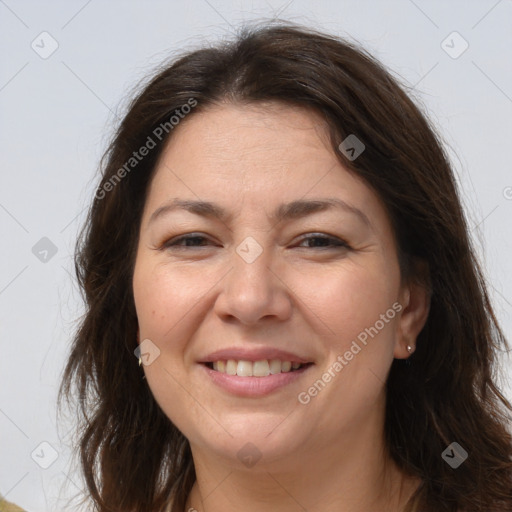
(248, 438)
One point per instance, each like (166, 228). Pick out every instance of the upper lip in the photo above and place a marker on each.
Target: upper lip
(253, 354)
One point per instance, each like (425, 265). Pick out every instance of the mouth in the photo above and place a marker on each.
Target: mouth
(254, 379)
(260, 368)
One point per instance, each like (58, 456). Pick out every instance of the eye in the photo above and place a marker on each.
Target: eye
(313, 241)
(321, 241)
(191, 240)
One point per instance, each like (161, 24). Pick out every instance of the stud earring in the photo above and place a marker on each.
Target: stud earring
(409, 349)
(140, 361)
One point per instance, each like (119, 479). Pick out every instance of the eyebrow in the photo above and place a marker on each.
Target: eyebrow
(287, 211)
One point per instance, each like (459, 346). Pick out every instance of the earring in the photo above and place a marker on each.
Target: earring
(409, 349)
(140, 361)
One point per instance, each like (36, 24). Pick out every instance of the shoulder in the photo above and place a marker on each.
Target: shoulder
(5, 506)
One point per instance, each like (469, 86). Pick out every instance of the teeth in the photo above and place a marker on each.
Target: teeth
(262, 368)
(231, 367)
(244, 369)
(275, 366)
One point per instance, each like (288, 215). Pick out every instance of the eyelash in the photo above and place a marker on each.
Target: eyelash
(334, 242)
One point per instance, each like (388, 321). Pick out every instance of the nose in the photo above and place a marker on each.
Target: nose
(253, 291)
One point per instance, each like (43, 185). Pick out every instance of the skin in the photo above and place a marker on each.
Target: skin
(297, 296)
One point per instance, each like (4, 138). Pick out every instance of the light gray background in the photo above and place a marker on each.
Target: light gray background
(57, 115)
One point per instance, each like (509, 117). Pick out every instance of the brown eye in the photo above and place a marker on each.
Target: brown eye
(322, 241)
(187, 241)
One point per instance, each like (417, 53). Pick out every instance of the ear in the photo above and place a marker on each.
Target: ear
(415, 300)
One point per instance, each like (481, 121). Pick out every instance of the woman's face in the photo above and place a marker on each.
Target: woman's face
(258, 251)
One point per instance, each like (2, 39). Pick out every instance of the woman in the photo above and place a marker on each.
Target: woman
(278, 238)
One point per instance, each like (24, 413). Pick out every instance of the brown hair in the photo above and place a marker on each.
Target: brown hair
(132, 456)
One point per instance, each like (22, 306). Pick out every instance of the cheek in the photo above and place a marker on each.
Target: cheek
(356, 306)
(165, 302)
(164, 296)
(350, 299)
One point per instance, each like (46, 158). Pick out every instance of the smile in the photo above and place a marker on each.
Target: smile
(262, 368)
(254, 379)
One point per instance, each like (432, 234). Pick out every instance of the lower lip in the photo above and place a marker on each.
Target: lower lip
(254, 386)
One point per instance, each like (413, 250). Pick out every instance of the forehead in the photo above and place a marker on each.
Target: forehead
(263, 135)
(257, 155)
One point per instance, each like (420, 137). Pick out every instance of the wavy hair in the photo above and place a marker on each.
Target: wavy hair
(132, 457)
